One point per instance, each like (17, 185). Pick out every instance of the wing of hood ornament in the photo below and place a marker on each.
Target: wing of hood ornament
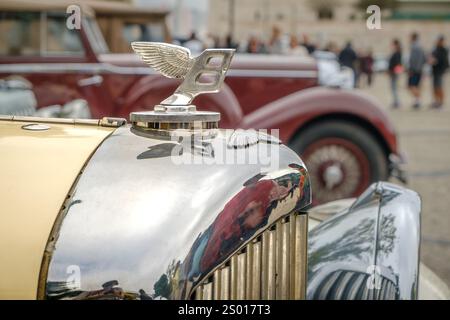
(170, 60)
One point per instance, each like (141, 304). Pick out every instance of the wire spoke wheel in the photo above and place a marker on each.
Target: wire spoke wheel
(342, 159)
(338, 169)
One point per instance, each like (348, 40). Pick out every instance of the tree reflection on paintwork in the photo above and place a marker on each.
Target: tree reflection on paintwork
(356, 243)
(162, 287)
(388, 234)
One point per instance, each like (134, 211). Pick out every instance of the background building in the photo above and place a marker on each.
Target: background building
(186, 15)
(330, 20)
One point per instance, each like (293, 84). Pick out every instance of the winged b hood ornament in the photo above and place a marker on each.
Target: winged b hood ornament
(200, 74)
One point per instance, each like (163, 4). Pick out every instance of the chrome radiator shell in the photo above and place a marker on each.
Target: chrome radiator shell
(141, 226)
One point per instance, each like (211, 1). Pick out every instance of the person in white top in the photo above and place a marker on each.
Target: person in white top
(194, 44)
(295, 48)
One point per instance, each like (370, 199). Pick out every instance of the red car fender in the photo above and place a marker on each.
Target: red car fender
(295, 111)
(145, 93)
(148, 91)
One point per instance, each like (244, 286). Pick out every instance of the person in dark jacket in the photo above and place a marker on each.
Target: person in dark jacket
(395, 69)
(417, 61)
(348, 57)
(366, 65)
(439, 62)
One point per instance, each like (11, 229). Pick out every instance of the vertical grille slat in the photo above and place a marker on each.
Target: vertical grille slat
(344, 285)
(365, 290)
(271, 266)
(208, 291)
(353, 293)
(293, 262)
(271, 263)
(301, 248)
(353, 285)
(249, 270)
(241, 272)
(234, 277)
(199, 293)
(326, 287)
(217, 279)
(225, 280)
(392, 292)
(284, 273)
(382, 290)
(265, 239)
(278, 258)
(256, 272)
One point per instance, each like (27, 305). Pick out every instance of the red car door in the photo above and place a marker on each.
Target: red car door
(59, 62)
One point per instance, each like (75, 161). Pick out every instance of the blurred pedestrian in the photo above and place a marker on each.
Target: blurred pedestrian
(194, 44)
(211, 41)
(229, 42)
(366, 65)
(332, 47)
(308, 45)
(295, 48)
(254, 45)
(417, 61)
(348, 58)
(439, 63)
(395, 69)
(275, 43)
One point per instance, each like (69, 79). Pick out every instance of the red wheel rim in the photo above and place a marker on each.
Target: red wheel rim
(344, 155)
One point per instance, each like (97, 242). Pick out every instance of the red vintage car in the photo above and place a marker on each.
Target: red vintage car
(343, 135)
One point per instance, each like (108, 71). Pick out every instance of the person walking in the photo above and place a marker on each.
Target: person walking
(254, 45)
(194, 44)
(275, 44)
(308, 45)
(348, 57)
(395, 70)
(366, 65)
(295, 48)
(439, 63)
(417, 60)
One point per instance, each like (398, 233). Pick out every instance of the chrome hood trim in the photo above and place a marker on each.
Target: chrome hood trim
(139, 226)
(376, 239)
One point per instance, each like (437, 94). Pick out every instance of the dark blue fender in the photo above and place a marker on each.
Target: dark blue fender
(370, 250)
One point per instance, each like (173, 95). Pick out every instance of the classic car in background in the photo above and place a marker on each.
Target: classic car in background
(343, 135)
(17, 97)
(150, 210)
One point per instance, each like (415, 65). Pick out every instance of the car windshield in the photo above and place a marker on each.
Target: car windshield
(59, 40)
(95, 36)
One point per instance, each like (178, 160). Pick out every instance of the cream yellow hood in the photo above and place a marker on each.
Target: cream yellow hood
(35, 177)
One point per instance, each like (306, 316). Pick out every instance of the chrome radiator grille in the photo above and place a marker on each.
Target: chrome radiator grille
(351, 285)
(271, 266)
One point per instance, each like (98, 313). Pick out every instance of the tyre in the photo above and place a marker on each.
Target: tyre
(342, 158)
